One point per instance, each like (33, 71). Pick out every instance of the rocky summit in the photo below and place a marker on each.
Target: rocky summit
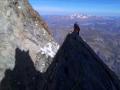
(22, 27)
(77, 67)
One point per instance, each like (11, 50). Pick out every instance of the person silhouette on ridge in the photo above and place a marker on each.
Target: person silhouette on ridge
(76, 29)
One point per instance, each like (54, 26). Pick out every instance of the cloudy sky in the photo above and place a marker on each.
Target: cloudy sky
(92, 7)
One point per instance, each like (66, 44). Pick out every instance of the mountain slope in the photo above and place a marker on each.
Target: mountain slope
(74, 67)
(77, 67)
(22, 27)
(100, 33)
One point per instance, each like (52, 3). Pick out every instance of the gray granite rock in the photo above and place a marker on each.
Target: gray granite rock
(22, 27)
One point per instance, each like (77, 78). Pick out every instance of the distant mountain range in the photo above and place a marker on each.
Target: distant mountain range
(81, 16)
(104, 23)
(78, 16)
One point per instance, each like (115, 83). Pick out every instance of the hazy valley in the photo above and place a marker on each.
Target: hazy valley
(102, 33)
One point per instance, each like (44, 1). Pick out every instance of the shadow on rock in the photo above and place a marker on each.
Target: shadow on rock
(24, 75)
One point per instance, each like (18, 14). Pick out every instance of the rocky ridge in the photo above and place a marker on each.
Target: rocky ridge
(75, 66)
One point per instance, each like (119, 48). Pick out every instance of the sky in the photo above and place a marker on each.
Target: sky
(90, 7)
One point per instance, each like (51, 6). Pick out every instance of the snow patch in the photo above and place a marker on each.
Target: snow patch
(77, 15)
(36, 24)
(50, 49)
(19, 7)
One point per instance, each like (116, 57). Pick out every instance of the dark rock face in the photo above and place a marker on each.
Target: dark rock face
(23, 76)
(75, 67)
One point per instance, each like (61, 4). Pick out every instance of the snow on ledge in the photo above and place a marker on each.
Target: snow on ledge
(50, 49)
